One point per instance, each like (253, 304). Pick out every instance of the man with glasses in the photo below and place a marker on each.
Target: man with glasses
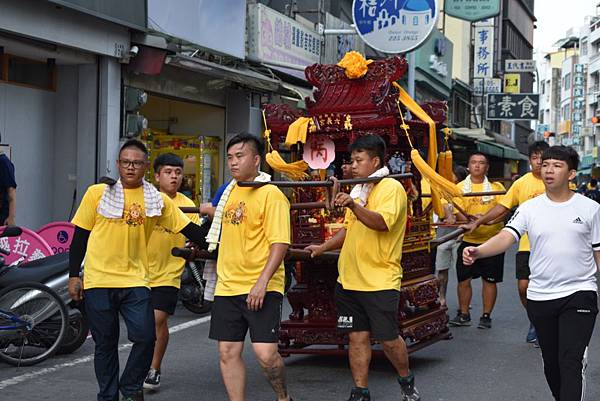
(113, 225)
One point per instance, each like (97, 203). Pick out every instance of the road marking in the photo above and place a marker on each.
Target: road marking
(27, 376)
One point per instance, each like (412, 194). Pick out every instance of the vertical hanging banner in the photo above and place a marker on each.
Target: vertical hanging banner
(472, 10)
(394, 26)
(483, 65)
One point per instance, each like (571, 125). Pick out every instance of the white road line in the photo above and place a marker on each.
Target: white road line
(41, 372)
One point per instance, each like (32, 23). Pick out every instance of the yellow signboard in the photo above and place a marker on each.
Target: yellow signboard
(512, 83)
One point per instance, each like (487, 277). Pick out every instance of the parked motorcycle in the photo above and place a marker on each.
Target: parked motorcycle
(52, 271)
(191, 293)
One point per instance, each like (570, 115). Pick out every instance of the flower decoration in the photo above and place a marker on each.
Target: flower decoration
(354, 64)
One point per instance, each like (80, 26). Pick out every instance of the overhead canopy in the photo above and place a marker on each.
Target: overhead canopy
(240, 74)
(485, 143)
(301, 92)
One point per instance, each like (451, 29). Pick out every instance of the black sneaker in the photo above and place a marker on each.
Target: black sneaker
(408, 390)
(152, 381)
(461, 319)
(485, 322)
(359, 394)
(136, 397)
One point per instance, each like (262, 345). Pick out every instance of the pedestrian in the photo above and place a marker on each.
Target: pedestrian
(447, 252)
(367, 292)
(8, 191)
(491, 270)
(592, 191)
(252, 227)
(113, 225)
(527, 187)
(164, 269)
(562, 301)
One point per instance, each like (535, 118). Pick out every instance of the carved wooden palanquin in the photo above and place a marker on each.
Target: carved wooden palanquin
(342, 110)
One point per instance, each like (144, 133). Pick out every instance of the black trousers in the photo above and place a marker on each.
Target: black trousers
(564, 327)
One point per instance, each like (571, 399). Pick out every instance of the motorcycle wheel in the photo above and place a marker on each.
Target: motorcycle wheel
(200, 308)
(77, 332)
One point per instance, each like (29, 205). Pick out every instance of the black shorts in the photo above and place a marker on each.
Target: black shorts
(522, 271)
(231, 319)
(373, 311)
(164, 298)
(490, 269)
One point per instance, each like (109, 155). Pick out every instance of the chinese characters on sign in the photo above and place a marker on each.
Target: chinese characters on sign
(482, 86)
(275, 37)
(507, 106)
(578, 102)
(483, 66)
(519, 65)
(319, 152)
(394, 26)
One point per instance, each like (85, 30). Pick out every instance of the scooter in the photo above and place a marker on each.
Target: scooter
(52, 271)
(191, 293)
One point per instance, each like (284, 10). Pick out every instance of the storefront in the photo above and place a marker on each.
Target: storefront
(59, 97)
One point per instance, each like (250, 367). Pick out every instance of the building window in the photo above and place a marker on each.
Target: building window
(584, 47)
(426, 19)
(567, 81)
(415, 20)
(404, 20)
(28, 72)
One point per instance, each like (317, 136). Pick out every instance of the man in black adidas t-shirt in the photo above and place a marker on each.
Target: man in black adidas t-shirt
(562, 301)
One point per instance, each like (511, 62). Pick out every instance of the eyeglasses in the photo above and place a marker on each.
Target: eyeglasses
(137, 164)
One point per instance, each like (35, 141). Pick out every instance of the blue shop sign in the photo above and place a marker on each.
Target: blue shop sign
(394, 26)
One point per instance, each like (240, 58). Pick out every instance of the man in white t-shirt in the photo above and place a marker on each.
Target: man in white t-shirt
(562, 302)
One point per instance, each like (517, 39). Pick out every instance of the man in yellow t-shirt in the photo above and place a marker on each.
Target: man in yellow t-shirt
(527, 187)
(113, 225)
(368, 289)
(165, 270)
(255, 235)
(489, 269)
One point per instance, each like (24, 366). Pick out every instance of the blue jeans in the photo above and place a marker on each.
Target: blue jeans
(103, 306)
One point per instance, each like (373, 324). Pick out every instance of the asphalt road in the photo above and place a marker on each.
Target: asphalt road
(490, 365)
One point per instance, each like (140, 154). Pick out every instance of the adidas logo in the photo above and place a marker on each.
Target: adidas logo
(578, 220)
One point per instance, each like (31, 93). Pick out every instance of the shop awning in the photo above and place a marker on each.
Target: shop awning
(585, 171)
(240, 74)
(486, 143)
(499, 150)
(300, 91)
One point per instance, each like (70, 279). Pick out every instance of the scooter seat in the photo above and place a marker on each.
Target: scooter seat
(39, 270)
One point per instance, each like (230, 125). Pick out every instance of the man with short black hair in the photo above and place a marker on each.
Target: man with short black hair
(491, 270)
(527, 187)
(164, 269)
(562, 300)
(367, 293)
(252, 228)
(113, 225)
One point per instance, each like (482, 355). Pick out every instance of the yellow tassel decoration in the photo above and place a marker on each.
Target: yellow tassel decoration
(440, 186)
(295, 171)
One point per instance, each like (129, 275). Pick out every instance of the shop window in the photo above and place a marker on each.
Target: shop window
(28, 72)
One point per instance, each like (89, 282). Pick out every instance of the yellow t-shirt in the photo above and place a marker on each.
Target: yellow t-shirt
(165, 269)
(370, 259)
(116, 255)
(523, 189)
(253, 220)
(475, 205)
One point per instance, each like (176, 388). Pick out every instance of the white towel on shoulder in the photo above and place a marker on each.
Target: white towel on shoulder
(112, 202)
(215, 228)
(487, 187)
(362, 191)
